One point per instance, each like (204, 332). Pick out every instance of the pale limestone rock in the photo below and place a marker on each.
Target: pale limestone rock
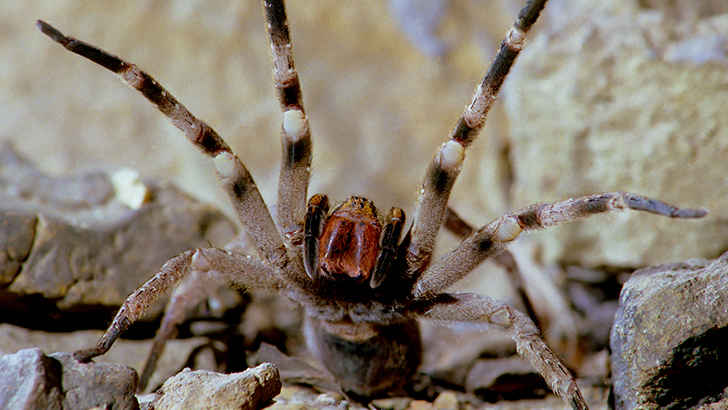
(604, 101)
(201, 389)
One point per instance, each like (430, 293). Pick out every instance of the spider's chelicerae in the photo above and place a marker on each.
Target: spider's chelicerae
(361, 281)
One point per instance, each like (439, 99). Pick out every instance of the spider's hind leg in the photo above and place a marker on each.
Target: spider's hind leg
(480, 311)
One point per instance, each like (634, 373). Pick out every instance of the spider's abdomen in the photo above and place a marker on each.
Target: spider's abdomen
(367, 360)
(349, 242)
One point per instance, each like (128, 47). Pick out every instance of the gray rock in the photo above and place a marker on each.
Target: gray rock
(32, 379)
(73, 241)
(510, 377)
(201, 389)
(132, 353)
(16, 233)
(669, 336)
(89, 385)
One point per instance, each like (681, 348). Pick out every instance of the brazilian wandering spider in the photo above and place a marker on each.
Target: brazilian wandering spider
(361, 280)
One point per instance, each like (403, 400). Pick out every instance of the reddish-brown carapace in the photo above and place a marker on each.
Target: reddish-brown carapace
(349, 242)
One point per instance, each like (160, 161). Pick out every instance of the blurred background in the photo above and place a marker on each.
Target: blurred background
(620, 97)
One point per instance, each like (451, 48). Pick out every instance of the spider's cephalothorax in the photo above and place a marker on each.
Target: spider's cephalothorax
(362, 289)
(348, 243)
(345, 244)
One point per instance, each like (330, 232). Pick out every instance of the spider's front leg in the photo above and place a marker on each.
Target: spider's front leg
(219, 266)
(489, 240)
(234, 177)
(445, 167)
(482, 311)
(296, 133)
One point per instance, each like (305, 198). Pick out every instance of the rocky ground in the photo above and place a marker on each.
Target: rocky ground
(626, 96)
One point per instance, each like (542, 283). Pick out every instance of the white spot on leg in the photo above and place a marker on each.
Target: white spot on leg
(225, 164)
(452, 155)
(294, 124)
(515, 38)
(508, 230)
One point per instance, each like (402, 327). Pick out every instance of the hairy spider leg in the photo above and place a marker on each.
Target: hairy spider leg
(446, 164)
(296, 134)
(481, 312)
(191, 291)
(491, 238)
(458, 226)
(219, 266)
(235, 178)
(233, 175)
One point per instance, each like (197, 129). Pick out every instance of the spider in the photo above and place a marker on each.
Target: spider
(361, 277)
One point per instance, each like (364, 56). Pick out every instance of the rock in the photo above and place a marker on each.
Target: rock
(130, 353)
(507, 378)
(450, 353)
(72, 242)
(392, 403)
(201, 389)
(603, 100)
(301, 397)
(669, 337)
(31, 379)
(16, 233)
(446, 400)
(89, 385)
